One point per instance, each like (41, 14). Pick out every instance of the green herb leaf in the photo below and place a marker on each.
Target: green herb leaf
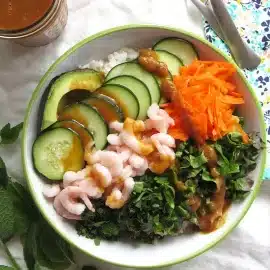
(10, 135)
(138, 188)
(198, 161)
(3, 267)
(207, 177)
(3, 174)
(30, 247)
(21, 218)
(227, 168)
(7, 215)
(23, 200)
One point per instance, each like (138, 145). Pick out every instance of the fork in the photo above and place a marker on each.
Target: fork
(218, 17)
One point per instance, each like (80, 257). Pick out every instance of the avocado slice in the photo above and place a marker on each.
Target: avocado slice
(86, 79)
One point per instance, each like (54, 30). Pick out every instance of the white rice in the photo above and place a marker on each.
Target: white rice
(113, 59)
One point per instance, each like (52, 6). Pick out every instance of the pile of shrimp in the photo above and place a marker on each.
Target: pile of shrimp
(134, 147)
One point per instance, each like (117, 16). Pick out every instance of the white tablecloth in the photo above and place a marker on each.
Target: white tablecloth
(248, 246)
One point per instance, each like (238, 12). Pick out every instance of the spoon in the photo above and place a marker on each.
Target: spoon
(221, 21)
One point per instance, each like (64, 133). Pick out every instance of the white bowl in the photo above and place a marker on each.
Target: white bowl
(171, 250)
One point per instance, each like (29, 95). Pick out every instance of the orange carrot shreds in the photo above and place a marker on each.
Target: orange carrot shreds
(205, 100)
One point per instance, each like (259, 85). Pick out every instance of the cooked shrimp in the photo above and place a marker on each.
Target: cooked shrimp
(163, 138)
(132, 142)
(114, 200)
(158, 119)
(138, 126)
(69, 198)
(169, 152)
(128, 187)
(60, 210)
(136, 161)
(153, 112)
(89, 186)
(141, 171)
(127, 172)
(117, 126)
(112, 161)
(92, 158)
(124, 153)
(114, 139)
(70, 177)
(50, 191)
(102, 174)
(117, 199)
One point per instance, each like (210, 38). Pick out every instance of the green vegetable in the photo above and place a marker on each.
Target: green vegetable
(151, 213)
(10, 135)
(3, 174)
(20, 217)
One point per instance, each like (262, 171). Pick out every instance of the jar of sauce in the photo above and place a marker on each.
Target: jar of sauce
(32, 22)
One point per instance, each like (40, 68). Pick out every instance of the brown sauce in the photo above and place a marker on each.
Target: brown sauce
(117, 101)
(84, 135)
(194, 202)
(68, 161)
(106, 109)
(19, 14)
(73, 114)
(214, 218)
(72, 97)
(148, 59)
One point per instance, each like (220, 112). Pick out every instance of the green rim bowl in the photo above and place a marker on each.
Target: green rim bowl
(171, 250)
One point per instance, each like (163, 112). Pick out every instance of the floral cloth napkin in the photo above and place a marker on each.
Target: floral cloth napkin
(252, 18)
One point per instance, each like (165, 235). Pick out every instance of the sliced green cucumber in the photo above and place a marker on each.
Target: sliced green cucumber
(123, 97)
(173, 62)
(106, 106)
(135, 70)
(84, 133)
(56, 151)
(179, 47)
(139, 89)
(85, 79)
(89, 118)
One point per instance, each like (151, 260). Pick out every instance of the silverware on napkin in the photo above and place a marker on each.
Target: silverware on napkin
(218, 17)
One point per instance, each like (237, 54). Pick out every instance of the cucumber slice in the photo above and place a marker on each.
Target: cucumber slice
(106, 106)
(85, 135)
(56, 151)
(123, 97)
(85, 79)
(139, 89)
(135, 70)
(173, 62)
(179, 47)
(90, 119)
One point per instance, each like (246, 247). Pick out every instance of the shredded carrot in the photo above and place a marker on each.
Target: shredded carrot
(204, 102)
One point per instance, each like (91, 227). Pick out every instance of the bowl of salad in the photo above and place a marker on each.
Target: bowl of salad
(143, 146)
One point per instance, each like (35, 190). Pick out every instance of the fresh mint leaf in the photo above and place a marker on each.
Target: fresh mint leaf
(4, 178)
(10, 134)
(3, 267)
(22, 198)
(7, 215)
(30, 247)
(197, 162)
(21, 218)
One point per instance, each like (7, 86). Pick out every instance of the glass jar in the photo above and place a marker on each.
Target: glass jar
(45, 31)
